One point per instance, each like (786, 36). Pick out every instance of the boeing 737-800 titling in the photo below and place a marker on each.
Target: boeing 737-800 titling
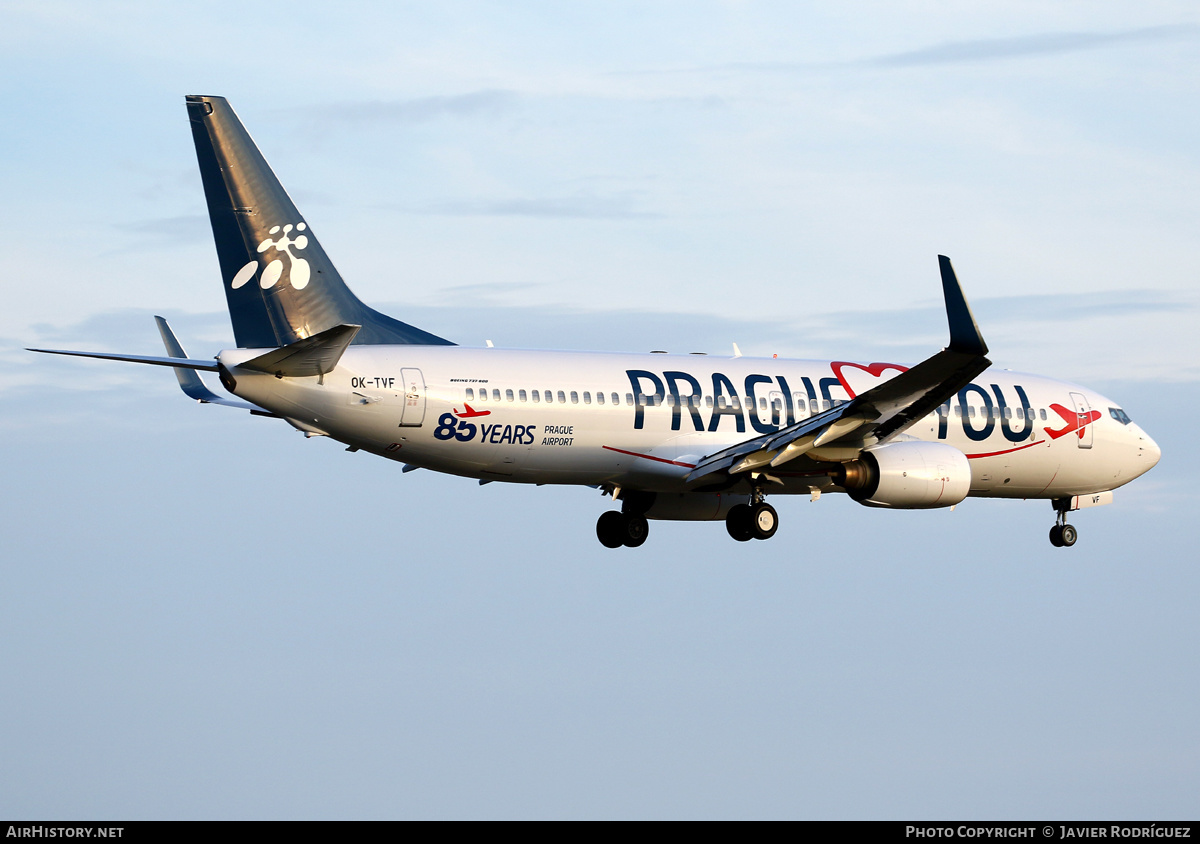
(683, 437)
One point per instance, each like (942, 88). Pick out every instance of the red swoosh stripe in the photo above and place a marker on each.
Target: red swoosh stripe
(651, 457)
(1006, 451)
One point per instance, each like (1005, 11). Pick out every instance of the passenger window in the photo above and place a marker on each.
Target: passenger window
(971, 411)
(708, 401)
(1020, 411)
(548, 396)
(1008, 413)
(617, 399)
(523, 396)
(762, 404)
(628, 399)
(587, 397)
(537, 397)
(508, 394)
(599, 398)
(1042, 413)
(562, 399)
(825, 404)
(470, 394)
(495, 395)
(483, 395)
(813, 406)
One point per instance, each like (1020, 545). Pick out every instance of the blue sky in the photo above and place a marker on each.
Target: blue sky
(206, 615)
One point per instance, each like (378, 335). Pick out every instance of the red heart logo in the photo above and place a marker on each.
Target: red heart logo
(861, 378)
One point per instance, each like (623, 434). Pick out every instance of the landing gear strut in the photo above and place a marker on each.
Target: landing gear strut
(1062, 535)
(756, 520)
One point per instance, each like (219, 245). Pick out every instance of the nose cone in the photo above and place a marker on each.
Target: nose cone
(1147, 450)
(1150, 451)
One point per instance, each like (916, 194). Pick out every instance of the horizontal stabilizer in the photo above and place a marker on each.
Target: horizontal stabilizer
(313, 355)
(178, 363)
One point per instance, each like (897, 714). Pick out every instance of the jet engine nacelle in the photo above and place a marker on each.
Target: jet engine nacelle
(907, 476)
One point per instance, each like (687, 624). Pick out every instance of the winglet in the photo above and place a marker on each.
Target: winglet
(964, 331)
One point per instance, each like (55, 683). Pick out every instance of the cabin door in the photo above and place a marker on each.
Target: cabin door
(412, 414)
(1083, 412)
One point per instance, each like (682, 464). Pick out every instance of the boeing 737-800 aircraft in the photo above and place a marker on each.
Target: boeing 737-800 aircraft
(683, 437)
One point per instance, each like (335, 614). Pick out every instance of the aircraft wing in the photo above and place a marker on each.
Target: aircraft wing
(875, 415)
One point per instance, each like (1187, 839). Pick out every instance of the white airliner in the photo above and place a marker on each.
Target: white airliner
(678, 437)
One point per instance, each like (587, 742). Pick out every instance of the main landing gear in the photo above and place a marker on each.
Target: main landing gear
(616, 529)
(1063, 535)
(756, 520)
(629, 527)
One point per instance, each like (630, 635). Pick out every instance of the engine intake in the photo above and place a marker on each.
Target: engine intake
(907, 476)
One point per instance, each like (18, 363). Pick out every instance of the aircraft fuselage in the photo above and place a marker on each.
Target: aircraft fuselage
(643, 421)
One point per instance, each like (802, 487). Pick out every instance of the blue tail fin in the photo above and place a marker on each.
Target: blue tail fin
(280, 284)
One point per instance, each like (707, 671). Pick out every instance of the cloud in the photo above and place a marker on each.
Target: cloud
(976, 50)
(187, 228)
(994, 49)
(581, 206)
(1067, 335)
(416, 110)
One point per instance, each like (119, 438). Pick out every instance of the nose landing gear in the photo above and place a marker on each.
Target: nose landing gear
(1063, 535)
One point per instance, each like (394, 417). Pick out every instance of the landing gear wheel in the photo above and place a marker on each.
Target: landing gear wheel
(738, 523)
(1056, 538)
(636, 530)
(763, 521)
(1068, 534)
(610, 529)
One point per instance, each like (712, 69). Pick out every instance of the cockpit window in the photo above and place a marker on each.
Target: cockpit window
(1119, 415)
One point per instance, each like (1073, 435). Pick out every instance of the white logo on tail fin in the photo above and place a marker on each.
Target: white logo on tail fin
(299, 273)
